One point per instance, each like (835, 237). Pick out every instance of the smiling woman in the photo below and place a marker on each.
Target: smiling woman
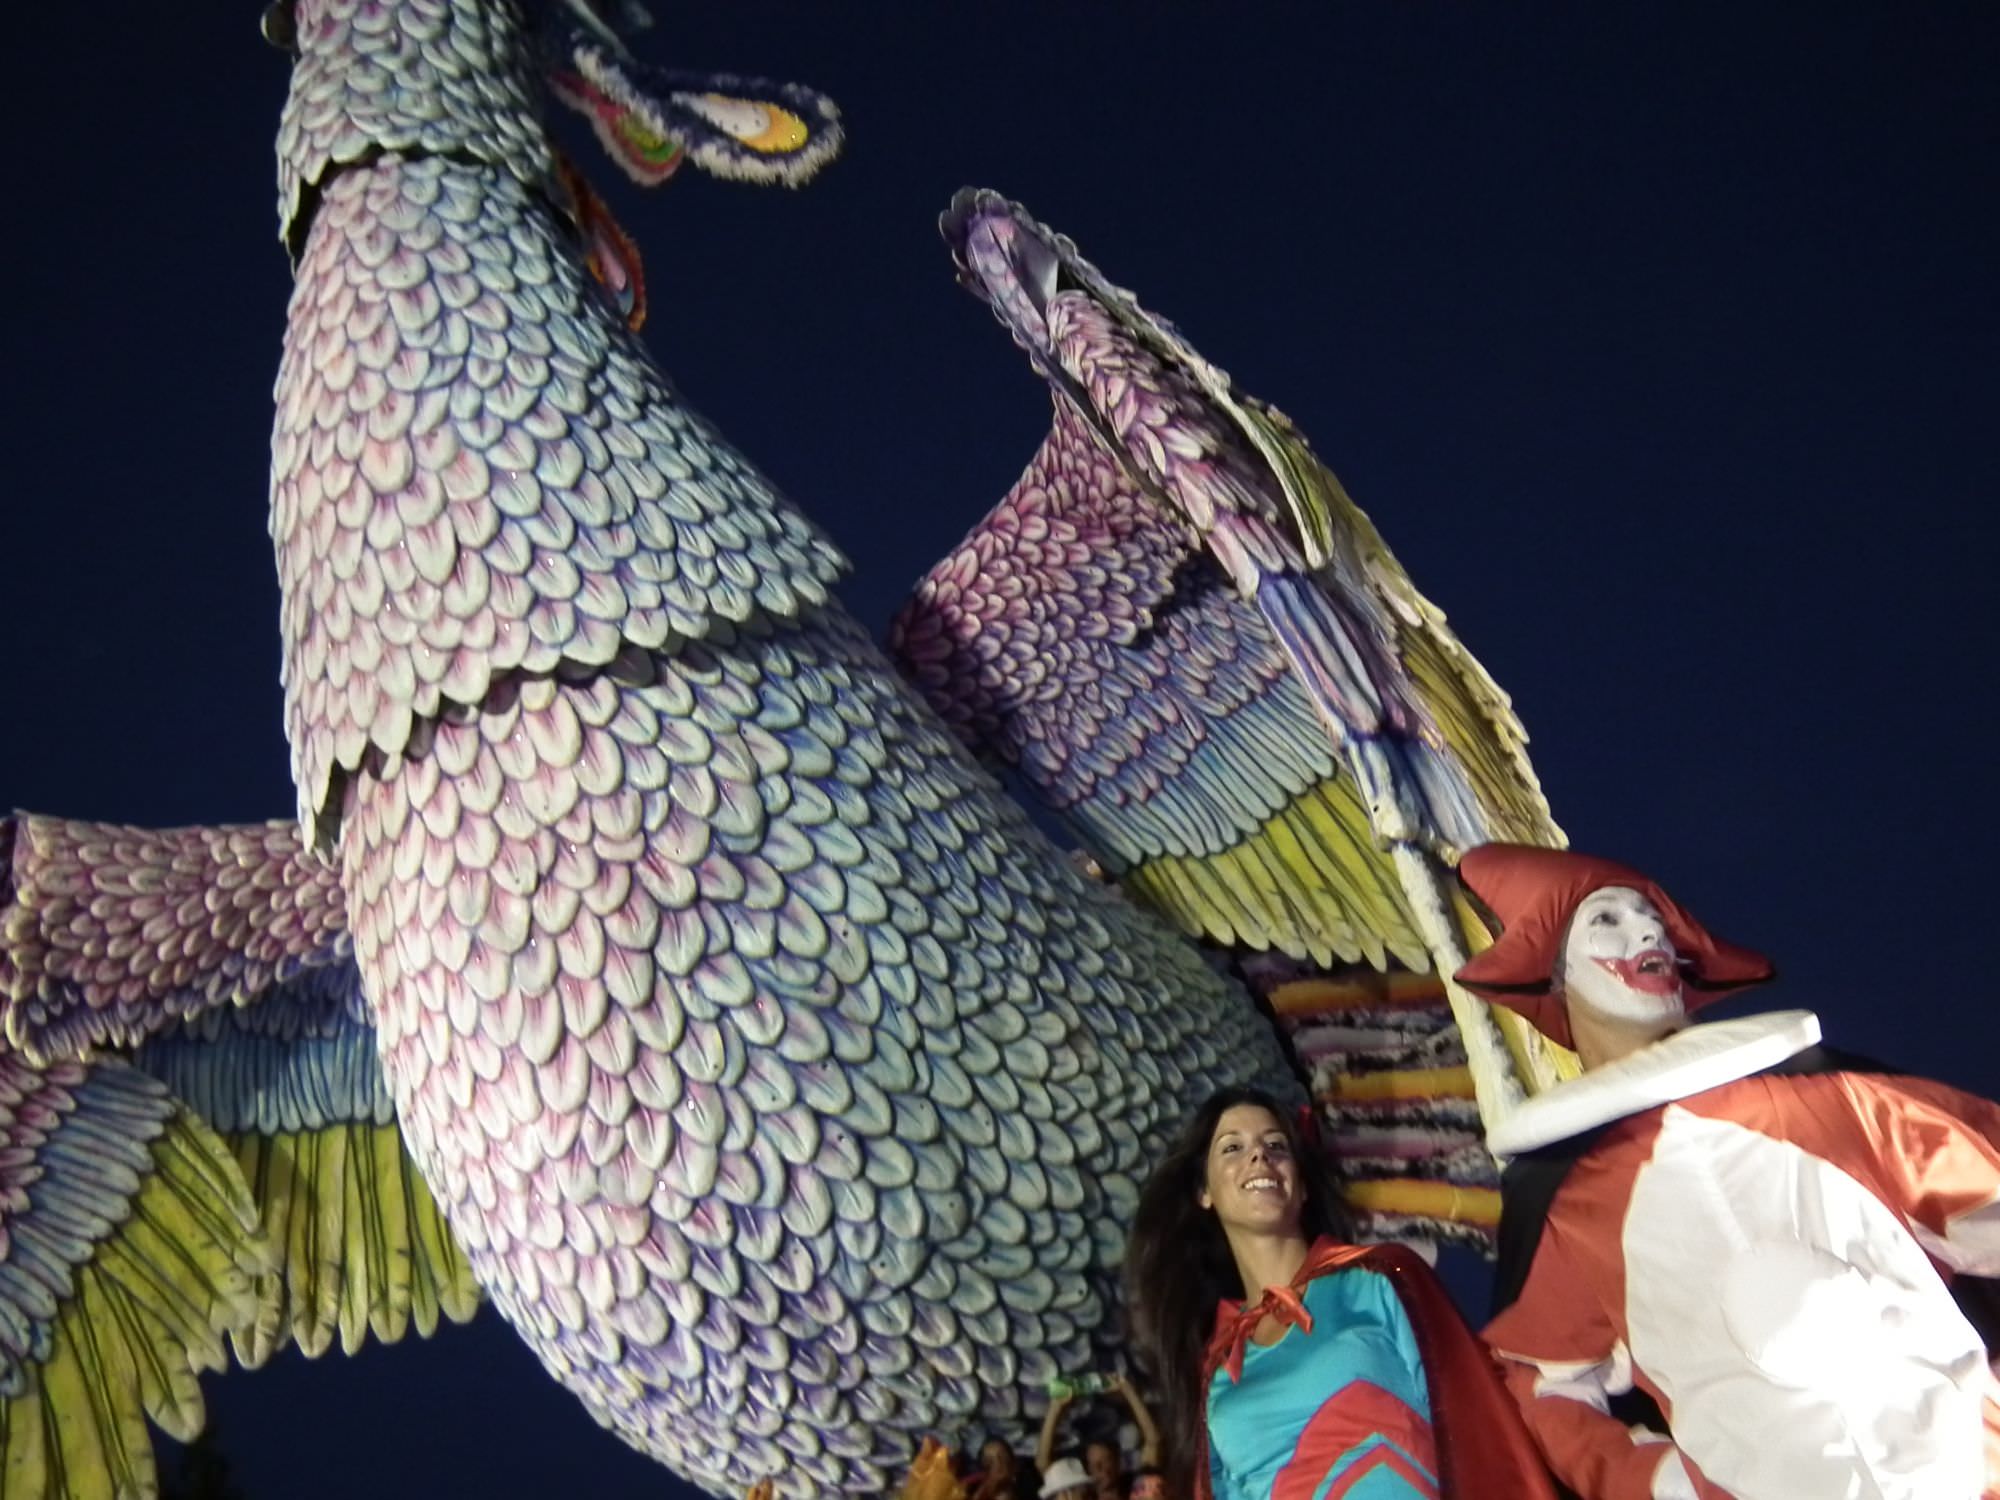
(1327, 1368)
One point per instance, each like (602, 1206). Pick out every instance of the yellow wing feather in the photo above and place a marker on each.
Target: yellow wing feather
(236, 1244)
(146, 1316)
(364, 1248)
(1309, 883)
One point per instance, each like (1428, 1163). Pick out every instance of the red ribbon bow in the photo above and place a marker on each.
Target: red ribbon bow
(1281, 1302)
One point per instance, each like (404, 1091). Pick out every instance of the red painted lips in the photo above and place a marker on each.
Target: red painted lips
(1650, 973)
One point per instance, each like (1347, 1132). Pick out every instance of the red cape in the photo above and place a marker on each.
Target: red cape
(1484, 1453)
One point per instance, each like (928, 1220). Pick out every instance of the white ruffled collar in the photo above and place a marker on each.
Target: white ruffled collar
(1701, 1057)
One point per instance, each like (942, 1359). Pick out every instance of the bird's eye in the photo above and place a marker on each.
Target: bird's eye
(280, 26)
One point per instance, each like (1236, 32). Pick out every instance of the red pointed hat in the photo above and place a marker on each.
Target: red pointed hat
(1534, 892)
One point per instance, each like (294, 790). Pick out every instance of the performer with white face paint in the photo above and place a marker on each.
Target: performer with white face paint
(1726, 1223)
(1621, 975)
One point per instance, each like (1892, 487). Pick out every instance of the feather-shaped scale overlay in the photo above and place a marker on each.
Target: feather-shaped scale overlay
(814, 1061)
(1368, 720)
(128, 1251)
(476, 472)
(294, 1086)
(1082, 634)
(449, 79)
(109, 933)
(787, 1091)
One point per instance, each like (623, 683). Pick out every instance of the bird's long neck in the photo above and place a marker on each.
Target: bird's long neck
(446, 78)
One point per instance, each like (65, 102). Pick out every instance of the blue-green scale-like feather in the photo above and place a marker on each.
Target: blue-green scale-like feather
(300, 1059)
(1147, 702)
(82, 1134)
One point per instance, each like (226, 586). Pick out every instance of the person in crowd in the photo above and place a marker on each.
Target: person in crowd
(1290, 1362)
(1101, 1456)
(1106, 1465)
(1733, 1264)
(1066, 1479)
(999, 1475)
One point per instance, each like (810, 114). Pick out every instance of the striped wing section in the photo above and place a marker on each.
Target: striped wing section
(220, 955)
(1468, 708)
(128, 1251)
(1080, 635)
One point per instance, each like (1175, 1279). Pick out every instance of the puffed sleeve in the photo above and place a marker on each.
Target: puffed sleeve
(1566, 1408)
(1937, 1152)
(1563, 1362)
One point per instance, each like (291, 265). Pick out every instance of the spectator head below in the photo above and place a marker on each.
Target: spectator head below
(997, 1459)
(1148, 1484)
(1106, 1467)
(1067, 1479)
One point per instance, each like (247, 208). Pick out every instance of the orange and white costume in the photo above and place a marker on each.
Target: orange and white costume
(1767, 1254)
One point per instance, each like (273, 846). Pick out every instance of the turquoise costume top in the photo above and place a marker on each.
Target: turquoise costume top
(1336, 1411)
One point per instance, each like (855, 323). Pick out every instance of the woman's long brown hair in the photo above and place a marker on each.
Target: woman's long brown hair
(1178, 1266)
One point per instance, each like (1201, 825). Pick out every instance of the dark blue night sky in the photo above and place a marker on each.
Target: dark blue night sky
(1659, 340)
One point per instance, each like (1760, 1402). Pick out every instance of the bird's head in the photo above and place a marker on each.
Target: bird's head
(652, 119)
(463, 79)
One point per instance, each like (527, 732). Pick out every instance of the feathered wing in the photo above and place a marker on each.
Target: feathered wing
(1191, 643)
(109, 934)
(295, 1090)
(1377, 659)
(128, 1250)
(1470, 711)
(241, 1173)
(1081, 634)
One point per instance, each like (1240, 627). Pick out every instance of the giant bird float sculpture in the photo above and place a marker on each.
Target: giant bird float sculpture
(1200, 653)
(776, 1080)
(780, 1085)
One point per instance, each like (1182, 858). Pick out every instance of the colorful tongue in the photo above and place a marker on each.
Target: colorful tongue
(608, 250)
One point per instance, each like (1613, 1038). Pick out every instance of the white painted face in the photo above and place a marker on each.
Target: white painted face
(1619, 961)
